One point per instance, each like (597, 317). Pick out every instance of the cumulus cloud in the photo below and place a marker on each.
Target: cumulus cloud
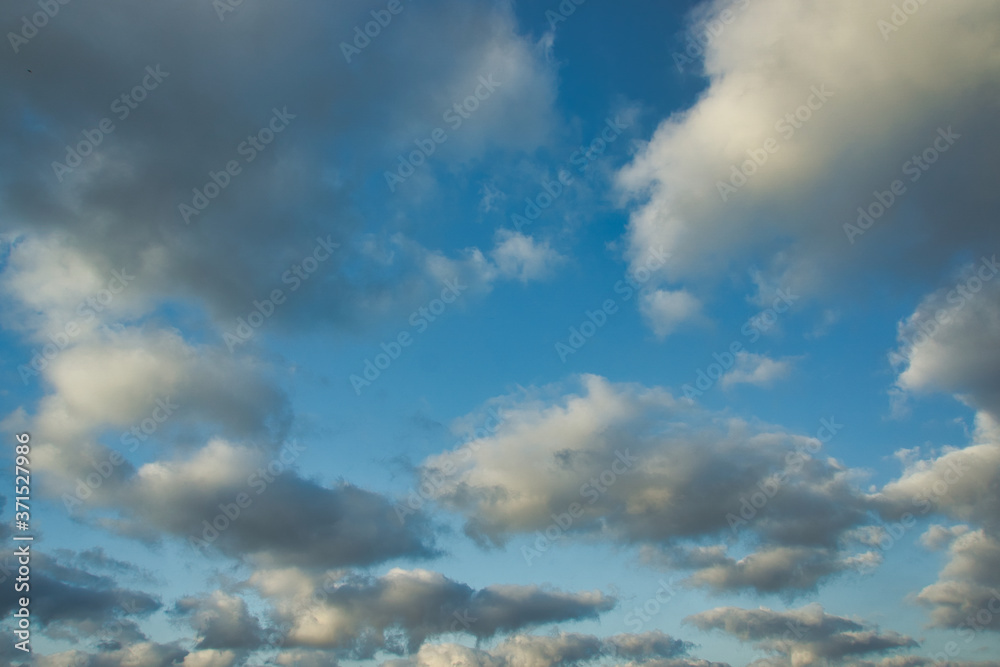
(801, 636)
(274, 515)
(71, 602)
(770, 569)
(520, 257)
(806, 116)
(397, 612)
(120, 207)
(144, 653)
(757, 369)
(949, 343)
(653, 649)
(967, 593)
(665, 311)
(637, 466)
(938, 536)
(222, 621)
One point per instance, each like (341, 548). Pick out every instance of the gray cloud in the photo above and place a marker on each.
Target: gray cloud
(70, 602)
(558, 463)
(358, 616)
(222, 621)
(803, 636)
(651, 649)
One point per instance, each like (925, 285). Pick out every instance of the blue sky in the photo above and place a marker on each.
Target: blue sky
(510, 334)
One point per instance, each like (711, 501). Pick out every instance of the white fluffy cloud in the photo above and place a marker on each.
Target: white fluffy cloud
(865, 104)
(637, 466)
(665, 311)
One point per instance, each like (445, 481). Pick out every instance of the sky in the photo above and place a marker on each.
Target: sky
(482, 333)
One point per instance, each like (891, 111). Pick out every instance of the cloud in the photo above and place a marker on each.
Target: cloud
(148, 654)
(802, 636)
(757, 369)
(70, 602)
(770, 569)
(250, 505)
(938, 536)
(966, 595)
(120, 207)
(358, 616)
(949, 343)
(665, 311)
(520, 257)
(222, 621)
(653, 649)
(806, 116)
(632, 465)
